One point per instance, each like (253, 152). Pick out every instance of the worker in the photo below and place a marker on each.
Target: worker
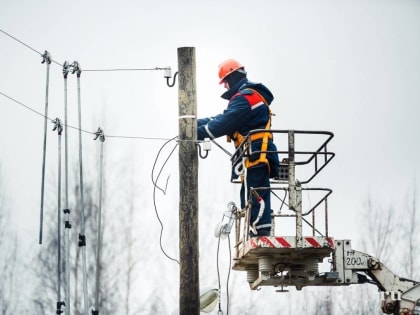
(248, 109)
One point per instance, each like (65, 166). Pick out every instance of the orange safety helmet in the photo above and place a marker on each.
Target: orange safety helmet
(227, 67)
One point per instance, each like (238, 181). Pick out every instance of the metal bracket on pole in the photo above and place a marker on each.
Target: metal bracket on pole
(99, 134)
(66, 69)
(46, 57)
(59, 305)
(75, 66)
(57, 126)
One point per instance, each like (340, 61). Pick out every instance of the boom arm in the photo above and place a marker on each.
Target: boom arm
(400, 295)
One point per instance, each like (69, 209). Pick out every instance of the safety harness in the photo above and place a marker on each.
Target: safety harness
(255, 99)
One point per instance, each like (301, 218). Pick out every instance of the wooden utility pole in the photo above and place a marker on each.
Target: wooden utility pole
(189, 293)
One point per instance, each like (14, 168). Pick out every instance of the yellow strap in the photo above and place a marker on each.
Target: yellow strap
(264, 146)
(238, 138)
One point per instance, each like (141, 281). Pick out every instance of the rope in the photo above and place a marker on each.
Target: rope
(47, 60)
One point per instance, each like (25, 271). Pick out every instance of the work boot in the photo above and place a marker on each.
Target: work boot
(263, 232)
(260, 232)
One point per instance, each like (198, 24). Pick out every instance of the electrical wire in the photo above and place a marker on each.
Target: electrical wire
(125, 69)
(91, 132)
(86, 70)
(129, 137)
(27, 46)
(155, 186)
(283, 201)
(221, 148)
(218, 273)
(228, 276)
(83, 130)
(27, 107)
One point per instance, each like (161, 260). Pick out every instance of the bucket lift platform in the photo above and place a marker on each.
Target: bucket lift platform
(288, 260)
(276, 261)
(281, 261)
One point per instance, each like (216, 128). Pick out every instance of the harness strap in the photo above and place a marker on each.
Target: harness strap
(264, 146)
(264, 135)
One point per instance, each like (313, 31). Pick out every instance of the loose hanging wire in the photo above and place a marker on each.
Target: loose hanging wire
(228, 276)
(58, 126)
(67, 225)
(220, 311)
(155, 186)
(46, 58)
(82, 237)
(99, 135)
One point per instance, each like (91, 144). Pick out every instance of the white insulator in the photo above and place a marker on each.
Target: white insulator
(311, 265)
(252, 274)
(311, 268)
(167, 73)
(265, 264)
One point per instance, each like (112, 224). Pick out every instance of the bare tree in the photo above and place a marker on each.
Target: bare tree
(131, 260)
(46, 261)
(410, 258)
(8, 258)
(380, 228)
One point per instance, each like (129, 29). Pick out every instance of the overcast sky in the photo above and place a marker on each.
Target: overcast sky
(349, 67)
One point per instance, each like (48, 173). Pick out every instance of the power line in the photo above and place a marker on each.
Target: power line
(76, 128)
(126, 69)
(27, 46)
(86, 70)
(19, 41)
(20, 103)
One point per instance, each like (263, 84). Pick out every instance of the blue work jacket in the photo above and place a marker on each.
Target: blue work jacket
(242, 116)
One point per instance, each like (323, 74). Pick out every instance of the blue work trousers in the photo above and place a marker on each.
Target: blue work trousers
(258, 177)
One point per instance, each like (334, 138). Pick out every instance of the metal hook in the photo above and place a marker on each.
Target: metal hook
(173, 81)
